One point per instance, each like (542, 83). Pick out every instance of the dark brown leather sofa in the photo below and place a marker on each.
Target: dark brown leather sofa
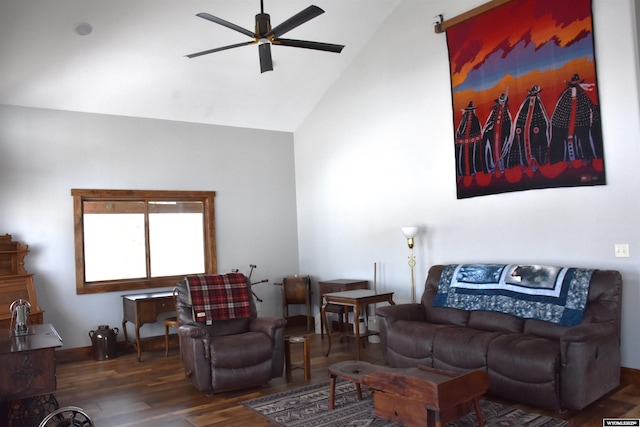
(532, 361)
(229, 354)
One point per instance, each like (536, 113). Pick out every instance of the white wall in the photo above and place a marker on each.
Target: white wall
(636, 27)
(377, 154)
(46, 153)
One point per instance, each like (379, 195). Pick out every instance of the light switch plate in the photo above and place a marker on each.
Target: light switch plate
(621, 250)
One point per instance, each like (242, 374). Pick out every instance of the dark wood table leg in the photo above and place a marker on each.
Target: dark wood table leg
(326, 327)
(138, 342)
(332, 392)
(287, 358)
(479, 416)
(356, 325)
(307, 359)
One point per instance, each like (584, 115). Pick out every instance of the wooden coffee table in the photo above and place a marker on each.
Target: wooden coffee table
(354, 371)
(426, 396)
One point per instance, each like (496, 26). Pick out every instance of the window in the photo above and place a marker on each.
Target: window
(128, 239)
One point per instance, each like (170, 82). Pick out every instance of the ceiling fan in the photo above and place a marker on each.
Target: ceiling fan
(264, 36)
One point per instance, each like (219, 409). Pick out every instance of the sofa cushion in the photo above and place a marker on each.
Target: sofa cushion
(525, 368)
(461, 349)
(411, 343)
(491, 321)
(240, 351)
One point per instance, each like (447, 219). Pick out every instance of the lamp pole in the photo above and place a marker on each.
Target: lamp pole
(412, 264)
(410, 233)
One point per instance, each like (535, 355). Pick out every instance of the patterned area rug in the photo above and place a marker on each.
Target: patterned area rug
(307, 406)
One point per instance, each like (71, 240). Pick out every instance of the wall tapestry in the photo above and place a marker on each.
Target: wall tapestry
(525, 99)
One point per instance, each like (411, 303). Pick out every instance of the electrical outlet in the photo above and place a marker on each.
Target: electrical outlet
(621, 250)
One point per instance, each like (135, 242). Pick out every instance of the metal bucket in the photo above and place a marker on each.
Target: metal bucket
(104, 342)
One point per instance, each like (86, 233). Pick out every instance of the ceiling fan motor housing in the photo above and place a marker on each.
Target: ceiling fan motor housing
(263, 24)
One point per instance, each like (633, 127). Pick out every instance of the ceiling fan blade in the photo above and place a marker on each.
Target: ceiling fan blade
(296, 20)
(266, 64)
(327, 47)
(226, 24)
(218, 49)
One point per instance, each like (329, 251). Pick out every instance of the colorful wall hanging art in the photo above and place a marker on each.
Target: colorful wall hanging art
(525, 99)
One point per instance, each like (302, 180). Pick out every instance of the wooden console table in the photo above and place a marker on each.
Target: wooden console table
(145, 308)
(359, 300)
(27, 363)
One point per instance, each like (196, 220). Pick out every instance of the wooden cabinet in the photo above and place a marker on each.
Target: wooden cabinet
(337, 285)
(15, 282)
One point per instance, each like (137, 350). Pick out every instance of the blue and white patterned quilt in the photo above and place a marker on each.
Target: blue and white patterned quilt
(552, 294)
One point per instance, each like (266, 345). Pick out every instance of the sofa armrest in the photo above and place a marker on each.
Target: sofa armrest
(388, 314)
(586, 331)
(192, 332)
(584, 334)
(195, 353)
(412, 312)
(196, 333)
(267, 325)
(275, 328)
(590, 363)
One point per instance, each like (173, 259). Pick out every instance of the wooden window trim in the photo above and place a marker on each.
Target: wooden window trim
(81, 195)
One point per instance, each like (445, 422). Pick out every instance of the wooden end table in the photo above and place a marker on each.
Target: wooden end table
(337, 285)
(425, 396)
(359, 300)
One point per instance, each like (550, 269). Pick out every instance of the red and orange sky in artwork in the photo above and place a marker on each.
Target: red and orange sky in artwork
(517, 45)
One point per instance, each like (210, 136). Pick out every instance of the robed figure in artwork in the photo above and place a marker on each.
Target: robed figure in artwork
(468, 144)
(576, 135)
(530, 145)
(496, 135)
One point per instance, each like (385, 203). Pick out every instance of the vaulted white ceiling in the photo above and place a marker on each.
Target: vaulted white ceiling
(133, 63)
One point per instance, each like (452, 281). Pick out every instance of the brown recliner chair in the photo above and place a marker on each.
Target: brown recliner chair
(229, 354)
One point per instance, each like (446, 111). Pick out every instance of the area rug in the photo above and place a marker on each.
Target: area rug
(307, 406)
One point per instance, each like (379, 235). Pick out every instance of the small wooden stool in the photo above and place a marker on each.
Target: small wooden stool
(306, 356)
(169, 322)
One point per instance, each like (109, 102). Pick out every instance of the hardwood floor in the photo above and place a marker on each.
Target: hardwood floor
(124, 392)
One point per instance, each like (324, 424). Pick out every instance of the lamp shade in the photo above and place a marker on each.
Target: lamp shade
(409, 232)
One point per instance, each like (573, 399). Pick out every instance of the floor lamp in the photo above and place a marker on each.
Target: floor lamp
(410, 233)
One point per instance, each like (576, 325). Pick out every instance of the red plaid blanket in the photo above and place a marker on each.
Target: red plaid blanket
(219, 297)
